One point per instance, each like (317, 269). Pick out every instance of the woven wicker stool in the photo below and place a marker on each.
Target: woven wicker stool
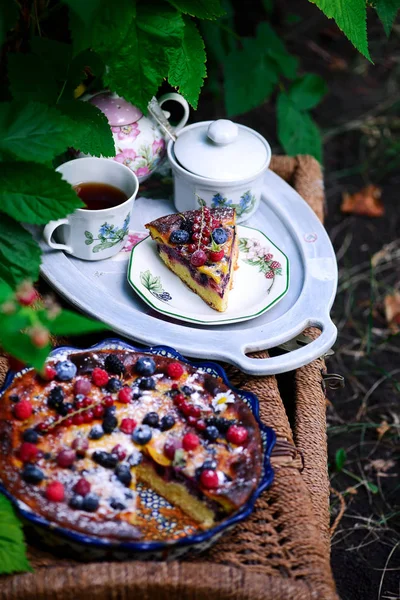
(282, 551)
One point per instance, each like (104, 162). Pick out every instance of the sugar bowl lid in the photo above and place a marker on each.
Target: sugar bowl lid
(222, 150)
(118, 111)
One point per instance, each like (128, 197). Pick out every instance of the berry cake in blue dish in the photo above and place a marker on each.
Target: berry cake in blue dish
(141, 452)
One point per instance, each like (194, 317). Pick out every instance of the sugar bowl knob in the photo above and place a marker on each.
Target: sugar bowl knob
(222, 132)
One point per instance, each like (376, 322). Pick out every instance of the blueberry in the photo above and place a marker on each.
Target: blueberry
(123, 474)
(110, 411)
(114, 385)
(219, 235)
(90, 503)
(187, 390)
(14, 398)
(136, 393)
(145, 365)
(128, 495)
(32, 474)
(114, 365)
(220, 423)
(110, 423)
(179, 236)
(105, 459)
(142, 434)
(147, 383)
(167, 422)
(116, 504)
(55, 397)
(65, 370)
(151, 419)
(96, 432)
(135, 459)
(31, 436)
(76, 502)
(209, 464)
(62, 410)
(211, 433)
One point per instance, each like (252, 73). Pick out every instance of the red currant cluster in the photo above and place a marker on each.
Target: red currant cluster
(203, 225)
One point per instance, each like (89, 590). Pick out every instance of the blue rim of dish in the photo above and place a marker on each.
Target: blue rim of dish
(189, 540)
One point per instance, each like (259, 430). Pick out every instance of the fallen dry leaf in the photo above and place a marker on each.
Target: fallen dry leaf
(366, 201)
(381, 467)
(352, 490)
(392, 311)
(382, 429)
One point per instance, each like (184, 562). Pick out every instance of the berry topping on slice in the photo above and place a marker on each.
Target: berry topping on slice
(82, 487)
(201, 425)
(32, 474)
(114, 385)
(123, 474)
(82, 386)
(49, 373)
(151, 419)
(119, 451)
(28, 452)
(147, 383)
(192, 248)
(211, 433)
(108, 401)
(117, 504)
(80, 445)
(175, 370)
(30, 435)
(217, 255)
(78, 419)
(23, 410)
(145, 365)
(114, 365)
(110, 423)
(98, 411)
(76, 502)
(171, 445)
(142, 435)
(198, 258)
(179, 236)
(236, 434)
(100, 377)
(167, 422)
(127, 425)
(190, 441)
(66, 370)
(105, 459)
(66, 458)
(125, 395)
(96, 433)
(91, 503)
(219, 235)
(55, 491)
(209, 479)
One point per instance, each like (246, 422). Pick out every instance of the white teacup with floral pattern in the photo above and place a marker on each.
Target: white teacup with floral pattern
(94, 234)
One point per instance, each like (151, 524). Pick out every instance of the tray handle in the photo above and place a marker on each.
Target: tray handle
(291, 360)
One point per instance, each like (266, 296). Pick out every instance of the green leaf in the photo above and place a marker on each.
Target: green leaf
(19, 253)
(351, 18)
(340, 459)
(203, 9)
(33, 131)
(103, 246)
(85, 9)
(12, 547)
(187, 68)
(297, 132)
(307, 92)
(8, 17)
(6, 291)
(35, 194)
(372, 487)
(89, 127)
(31, 79)
(71, 323)
(20, 345)
(89, 235)
(387, 11)
(268, 6)
(136, 47)
(272, 45)
(55, 55)
(81, 65)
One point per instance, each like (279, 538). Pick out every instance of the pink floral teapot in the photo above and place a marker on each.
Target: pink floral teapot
(139, 142)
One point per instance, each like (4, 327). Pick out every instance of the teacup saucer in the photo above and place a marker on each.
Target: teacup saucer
(261, 280)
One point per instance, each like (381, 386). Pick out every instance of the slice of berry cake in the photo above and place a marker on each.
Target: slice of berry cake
(201, 247)
(77, 444)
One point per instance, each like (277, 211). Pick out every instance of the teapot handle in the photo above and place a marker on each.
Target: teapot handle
(181, 100)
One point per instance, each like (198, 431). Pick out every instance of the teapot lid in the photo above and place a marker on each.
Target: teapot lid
(118, 111)
(222, 150)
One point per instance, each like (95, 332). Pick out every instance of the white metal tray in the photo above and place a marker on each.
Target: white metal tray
(101, 290)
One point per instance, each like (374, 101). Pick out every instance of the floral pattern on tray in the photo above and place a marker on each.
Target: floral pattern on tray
(261, 257)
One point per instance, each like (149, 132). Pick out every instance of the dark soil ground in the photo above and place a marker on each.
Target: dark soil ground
(361, 145)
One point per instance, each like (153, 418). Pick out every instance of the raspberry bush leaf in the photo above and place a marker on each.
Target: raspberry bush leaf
(19, 253)
(13, 557)
(297, 132)
(203, 9)
(387, 11)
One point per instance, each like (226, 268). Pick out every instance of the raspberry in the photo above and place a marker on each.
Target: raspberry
(26, 294)
(170, 447)
(55, 491)
(40, 336)
(100, 377)
(82, 386)
(23, 410)
(119, 451)
(198, 258)
(28, 452)
(82, 487)
(190, 441)
(236, 434)
(127, 425)
(125, 395)
(209, 479)
(216, 256)
(49, 373)
(66, 458)
(108, 401)
(98, 411)
(175, 370)
(78, 419)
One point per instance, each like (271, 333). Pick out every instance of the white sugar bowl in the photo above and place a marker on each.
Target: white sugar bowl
(219, 163)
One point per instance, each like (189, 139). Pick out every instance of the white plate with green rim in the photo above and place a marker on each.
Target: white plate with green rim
(101, 289)
(261, 280)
